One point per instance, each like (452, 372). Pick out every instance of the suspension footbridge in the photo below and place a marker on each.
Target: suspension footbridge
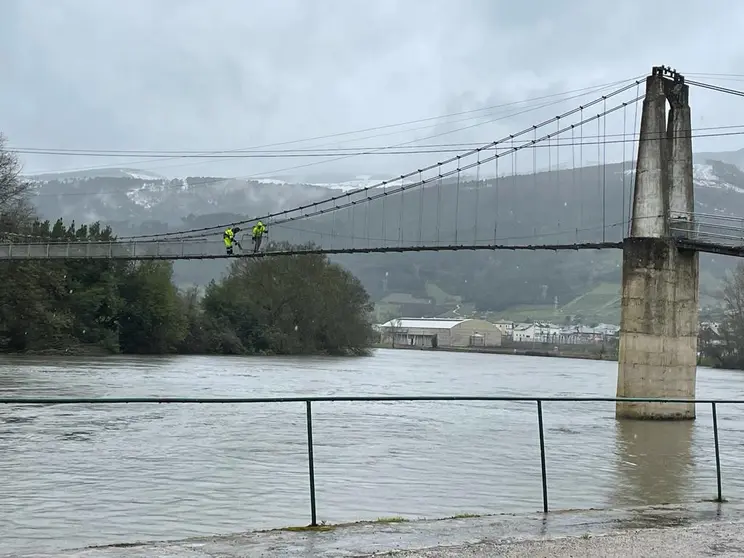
(530, 190)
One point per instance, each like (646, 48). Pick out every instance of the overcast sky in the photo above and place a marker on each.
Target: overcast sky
(229, 74)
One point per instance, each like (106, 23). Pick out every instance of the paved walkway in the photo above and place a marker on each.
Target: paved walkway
(674, 542)
(704, 529)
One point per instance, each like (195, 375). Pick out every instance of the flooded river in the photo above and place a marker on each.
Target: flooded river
(77, 475)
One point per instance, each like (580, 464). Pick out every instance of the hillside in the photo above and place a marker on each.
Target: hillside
(562, 206)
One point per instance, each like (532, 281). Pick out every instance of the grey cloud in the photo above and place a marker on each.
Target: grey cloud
(180, 74)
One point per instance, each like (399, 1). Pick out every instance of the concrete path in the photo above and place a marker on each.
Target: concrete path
(703, 529)
(674, 542)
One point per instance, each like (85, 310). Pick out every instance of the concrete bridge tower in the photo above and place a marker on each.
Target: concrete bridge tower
(659, 315)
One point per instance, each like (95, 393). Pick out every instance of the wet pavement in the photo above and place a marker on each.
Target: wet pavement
(702, 529)
(719, 540)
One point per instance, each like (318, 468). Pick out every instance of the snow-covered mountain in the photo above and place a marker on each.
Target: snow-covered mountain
(735, 158)
(72, 176)
(343, 185)
(119, 195)
(137, 196)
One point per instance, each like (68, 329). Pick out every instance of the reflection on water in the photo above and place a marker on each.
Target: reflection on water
(77, 475)
(654, 461)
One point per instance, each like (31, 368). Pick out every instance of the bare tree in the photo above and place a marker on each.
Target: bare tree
(732, 328)
(394, 329)
(15, 208)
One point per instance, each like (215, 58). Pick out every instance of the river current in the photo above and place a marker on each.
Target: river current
(80, 475)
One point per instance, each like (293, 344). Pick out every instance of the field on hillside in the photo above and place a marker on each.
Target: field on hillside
(599, 305)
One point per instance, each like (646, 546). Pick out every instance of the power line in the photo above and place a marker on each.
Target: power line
(586, 90)
(716, 88)
(347, 156)
(721, 77)
(362, 150)
(449, 132)
(295, 167)
(502, 149)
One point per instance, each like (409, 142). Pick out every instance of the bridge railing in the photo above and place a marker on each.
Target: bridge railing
(122, 249)
(709, 228)
(309, 401)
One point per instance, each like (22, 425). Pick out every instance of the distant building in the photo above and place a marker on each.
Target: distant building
(430, 332)
(536, 333)
(506, 327)
(522, 333)
(557, 335)
(709, 334)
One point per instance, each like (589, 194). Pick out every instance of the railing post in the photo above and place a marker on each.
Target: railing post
(311, 463)
(542, 456)
(718, 454)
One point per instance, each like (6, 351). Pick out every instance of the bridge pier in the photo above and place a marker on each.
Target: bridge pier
(659, 313)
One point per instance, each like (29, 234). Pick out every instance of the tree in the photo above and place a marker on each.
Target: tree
(152, 319)
(289, 305)
(711, 349)
(14, 206)
(198, 337)
(60, 304)
(394, 329)
(25, 287)
(732, 328)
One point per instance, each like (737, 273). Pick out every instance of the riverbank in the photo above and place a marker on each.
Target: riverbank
(660, 531)
(79, 350)
(562, 352)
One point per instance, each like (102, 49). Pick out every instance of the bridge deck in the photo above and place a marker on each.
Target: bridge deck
(212, 250)
(199, 249)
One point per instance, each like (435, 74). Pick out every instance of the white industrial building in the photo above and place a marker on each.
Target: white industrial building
(506, 327)
(438, 332)
(537, 332)
(563, 335)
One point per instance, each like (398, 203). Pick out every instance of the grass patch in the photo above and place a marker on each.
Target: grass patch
(599, 304)
(392, 519)
(441, 296)
(321, 527)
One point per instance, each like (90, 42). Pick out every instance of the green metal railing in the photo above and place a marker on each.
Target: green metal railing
(308, 401)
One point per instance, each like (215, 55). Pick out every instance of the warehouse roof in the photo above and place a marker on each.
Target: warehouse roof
(423, 323)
